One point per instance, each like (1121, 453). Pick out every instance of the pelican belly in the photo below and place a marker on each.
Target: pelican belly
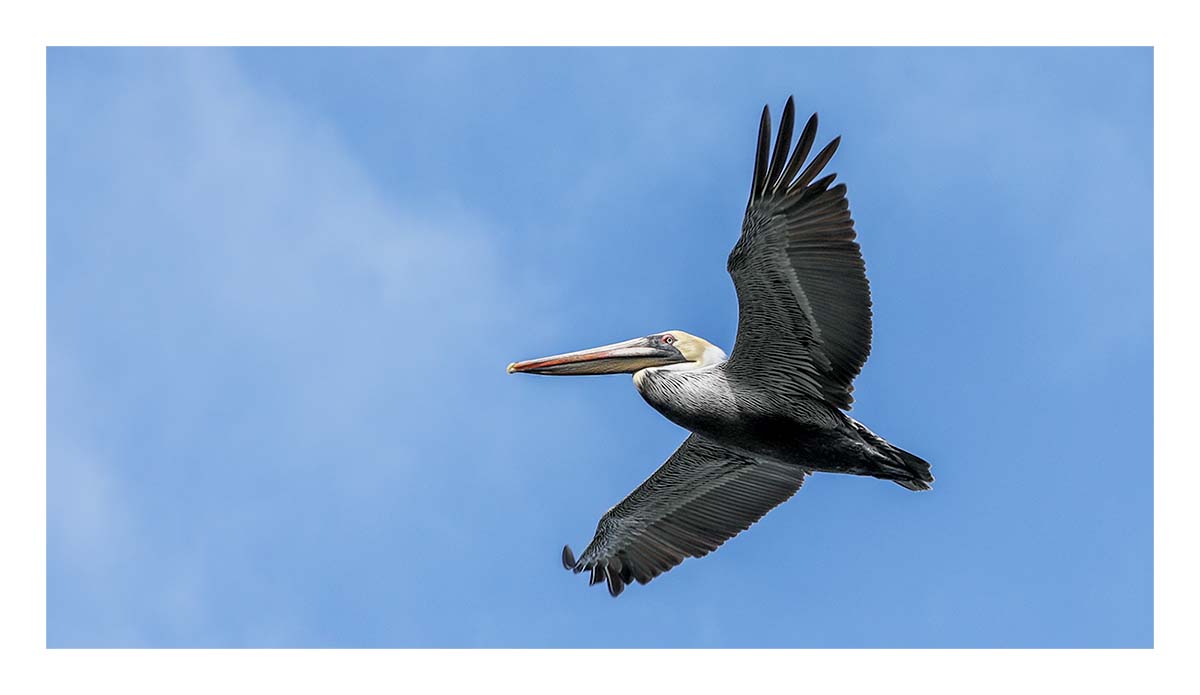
(802, 432)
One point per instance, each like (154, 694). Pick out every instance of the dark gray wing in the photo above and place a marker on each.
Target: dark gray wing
(804, 305)
(702, 496)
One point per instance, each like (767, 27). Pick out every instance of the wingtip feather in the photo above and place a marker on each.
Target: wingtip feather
(783, 140)
(615, 585)
(761, 153)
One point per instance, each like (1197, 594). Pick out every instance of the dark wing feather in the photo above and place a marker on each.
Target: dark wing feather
(804, 324)
(702, 496)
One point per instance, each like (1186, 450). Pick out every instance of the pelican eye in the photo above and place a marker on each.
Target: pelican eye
(668, 339)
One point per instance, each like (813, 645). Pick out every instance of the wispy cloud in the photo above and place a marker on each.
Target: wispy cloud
(238, 260)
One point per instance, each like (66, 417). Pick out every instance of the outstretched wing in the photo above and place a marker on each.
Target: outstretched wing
(804, 305)
(702, 496)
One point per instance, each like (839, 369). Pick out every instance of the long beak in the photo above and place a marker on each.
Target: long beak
(618, 358)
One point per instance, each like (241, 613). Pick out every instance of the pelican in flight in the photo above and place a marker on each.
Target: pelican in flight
(770, 413)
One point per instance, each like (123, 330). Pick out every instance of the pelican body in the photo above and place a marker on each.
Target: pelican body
(770, 413)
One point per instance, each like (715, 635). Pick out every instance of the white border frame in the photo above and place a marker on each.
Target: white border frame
(22, 286)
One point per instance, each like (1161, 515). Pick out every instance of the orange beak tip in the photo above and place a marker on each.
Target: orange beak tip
(512, 367)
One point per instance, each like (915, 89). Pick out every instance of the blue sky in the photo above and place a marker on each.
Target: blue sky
(283, 286)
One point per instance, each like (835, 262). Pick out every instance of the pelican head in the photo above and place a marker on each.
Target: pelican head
(670, 349)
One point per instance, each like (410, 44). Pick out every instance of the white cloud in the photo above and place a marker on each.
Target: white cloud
(234, 235)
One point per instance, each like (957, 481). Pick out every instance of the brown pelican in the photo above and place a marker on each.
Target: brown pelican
(770, 413)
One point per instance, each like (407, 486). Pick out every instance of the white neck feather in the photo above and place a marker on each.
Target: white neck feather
(712, 355)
